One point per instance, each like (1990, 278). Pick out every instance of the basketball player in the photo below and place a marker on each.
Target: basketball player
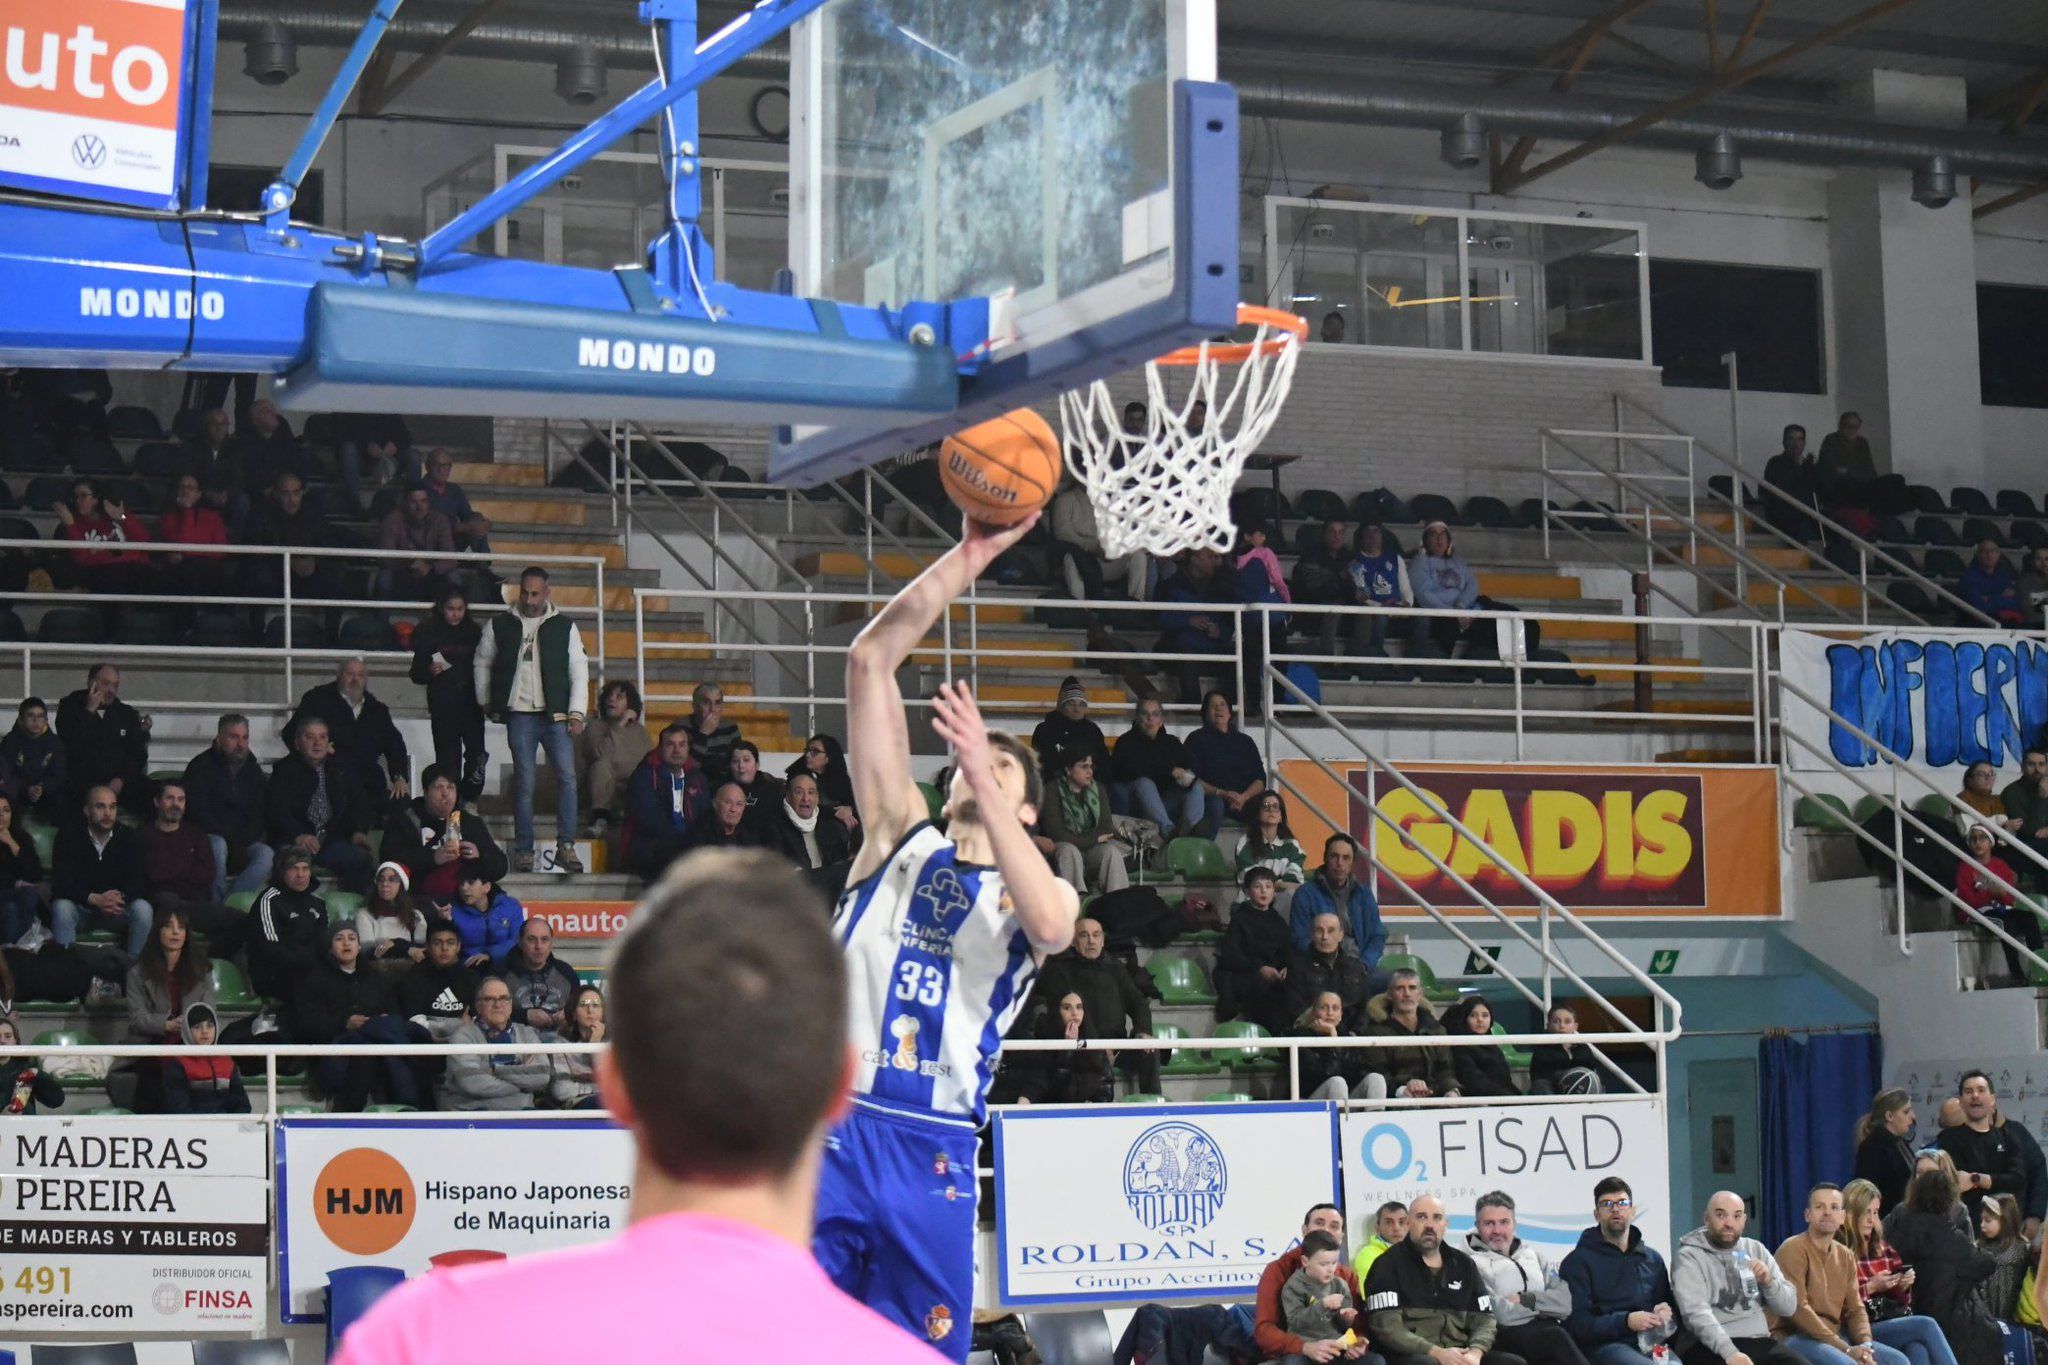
(728, 1061)
(943, 935)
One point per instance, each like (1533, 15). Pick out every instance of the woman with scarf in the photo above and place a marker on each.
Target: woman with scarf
(1075, 830)
(804, 834)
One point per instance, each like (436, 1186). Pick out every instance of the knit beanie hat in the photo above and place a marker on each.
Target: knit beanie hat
(293, 856)
(1071, 690)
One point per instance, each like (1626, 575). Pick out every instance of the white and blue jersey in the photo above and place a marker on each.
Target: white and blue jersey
(937, 968)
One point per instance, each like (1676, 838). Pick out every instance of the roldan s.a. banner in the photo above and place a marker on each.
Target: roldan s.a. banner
(1621, 840)
(125, 1226)
(1548, 1157)
(93, 97)
(1936, 700)
(1156, 1202)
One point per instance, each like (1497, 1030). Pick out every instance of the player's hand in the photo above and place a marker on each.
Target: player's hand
(981, 543)
(958, 721)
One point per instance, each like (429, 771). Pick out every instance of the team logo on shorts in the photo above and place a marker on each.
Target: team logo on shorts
(940, 1165)
(1174, 1178)
(938, 1324)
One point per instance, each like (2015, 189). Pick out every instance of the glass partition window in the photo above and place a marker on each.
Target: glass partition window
(1427, 279)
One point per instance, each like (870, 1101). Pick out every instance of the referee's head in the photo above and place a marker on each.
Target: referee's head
(728, 1022)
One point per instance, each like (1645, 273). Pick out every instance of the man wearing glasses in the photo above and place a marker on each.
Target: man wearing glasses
(1621, 1290)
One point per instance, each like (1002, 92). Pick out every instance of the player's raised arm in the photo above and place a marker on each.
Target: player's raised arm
(878, 736)
(1046, 906)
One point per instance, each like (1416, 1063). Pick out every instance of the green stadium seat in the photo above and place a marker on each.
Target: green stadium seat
(1185, 1061)
(1866, 807)
(44, 837)
(341, 906)
(1934, 806)
(1827, 812)
(291, 1110)
(1181, 981)
(241, 900)
(231, 988)
(391, 1109)
(1227, 1097)
(1198, 860)
(69, 1037)
(1251, 1056)
(934, 799)
(1140, 1097)
(107, 1111)
(1516, 1056)
(1432, 991)
(167, 775)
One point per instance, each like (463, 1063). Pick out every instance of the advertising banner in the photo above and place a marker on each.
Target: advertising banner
(1937, 700)
(363, 1192)
(1141, 1204)
(584, 919)
(1665, 841)
(119, 1226)
(92, 97)
(1547, 1156)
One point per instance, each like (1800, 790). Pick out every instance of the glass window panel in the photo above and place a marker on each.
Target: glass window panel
(1558, 289)
(1769, 316)
(1371, 278)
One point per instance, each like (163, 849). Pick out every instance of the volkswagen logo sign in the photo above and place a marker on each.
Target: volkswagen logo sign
(1174, 1178)
(88, 151)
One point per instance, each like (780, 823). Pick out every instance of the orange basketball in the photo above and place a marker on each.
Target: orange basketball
(1003, 470)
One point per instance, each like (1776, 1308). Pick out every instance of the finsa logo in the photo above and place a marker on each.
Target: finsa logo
(88, 151)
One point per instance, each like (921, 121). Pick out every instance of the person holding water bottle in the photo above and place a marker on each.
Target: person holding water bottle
(1723, 1283)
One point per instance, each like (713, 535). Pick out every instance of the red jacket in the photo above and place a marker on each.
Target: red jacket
(102, 529)
(200, 526)
(1269, 1329)
(1977, 892)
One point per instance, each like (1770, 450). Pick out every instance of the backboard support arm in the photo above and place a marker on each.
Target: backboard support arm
(283, 191)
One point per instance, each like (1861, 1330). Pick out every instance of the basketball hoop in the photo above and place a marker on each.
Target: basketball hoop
(1167, 488)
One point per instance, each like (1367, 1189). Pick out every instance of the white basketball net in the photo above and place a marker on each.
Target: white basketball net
(1167, 489)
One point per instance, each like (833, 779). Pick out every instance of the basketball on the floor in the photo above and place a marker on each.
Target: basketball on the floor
(1003, 470)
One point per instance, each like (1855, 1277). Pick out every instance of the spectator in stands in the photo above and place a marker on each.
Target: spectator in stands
(363, 736)
(1723, 1284)
(1114, 1004)
(1269, 843)
(37, 757)
(1259, 582)
(1980, 794)
(1563, 1068)
(1885, 1284)
(1621, 1293)
(726, 824)
(1325, 966)
(375, 442)
(1199, 580)
(1522, 1286)
(1226, 765)
(311, 804)
(189, 521)
(287, 927)
(1789, 498)
(180, 873)
(206, 1084)
(1884, 1145)
(435, 993)
(21, 872)
(1845, 475)
(96, 876)
(1830, 1325)
(1444, 582)
(1998, 1236)
(1337, 889)
(106, 741)
(611, 747)
(1986, 1150)
(286, 520)
(1315, 1303)
(489, 917)
(1989, 585)
(803, 833)
(1150, 770)
(94, 519)
(1269, 1331)
(390, 926)
(1322, 578)
(1482, 1070)
(1427, 1297)
(665, 799)
(1934, 1159)
(224, 796)
(1079, 1076)
(264, 444)
(171, 974)
(1066, 727)
(437, 844)
(1251, 963)
(1333, 1073)
(824, 758)
(1077, 544)
(574, 1083)
(212, 459)
(1389, 1225)
(542, 984)
(343, 1001)
(531, 673)
(444, 645)
(711, 735)
(2033, 586)
(764, 794)
(417, 529)
(1991, 891)
(472, 529)
(1379, 578)
(1416, 1069)
(25, 1082)
(497, 1080)
(1947, 1267)
(1076, 830)
(2025, 799)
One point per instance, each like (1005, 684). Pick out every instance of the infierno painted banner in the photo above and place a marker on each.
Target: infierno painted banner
(1936, 700)
(1619, 840)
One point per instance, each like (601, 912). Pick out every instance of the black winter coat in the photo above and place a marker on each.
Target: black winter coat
(1481, 1070)
(291, 791)
(286, 938)
(327, 996)
(223, 800)
(1310, 974)
(1253, 939)
(1948, 1269)
(452, 690)
(359, 740)
(100, 745)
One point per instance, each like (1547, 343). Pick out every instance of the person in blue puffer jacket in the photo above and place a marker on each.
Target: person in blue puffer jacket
(488, 918)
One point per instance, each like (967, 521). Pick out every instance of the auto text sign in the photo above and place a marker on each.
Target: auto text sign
(405, 1193)
(119, 1226)
(92, 97)
(1547, 1156)
(1142, 1203)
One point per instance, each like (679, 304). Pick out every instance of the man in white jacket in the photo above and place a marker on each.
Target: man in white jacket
(1723, 1283)
(1528, 1297)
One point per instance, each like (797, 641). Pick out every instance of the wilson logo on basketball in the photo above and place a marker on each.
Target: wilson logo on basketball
(972, 474)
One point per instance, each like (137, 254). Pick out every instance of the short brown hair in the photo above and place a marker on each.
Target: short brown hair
(729, 1015)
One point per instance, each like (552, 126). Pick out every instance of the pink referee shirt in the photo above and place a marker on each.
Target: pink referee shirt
(682, 1287)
